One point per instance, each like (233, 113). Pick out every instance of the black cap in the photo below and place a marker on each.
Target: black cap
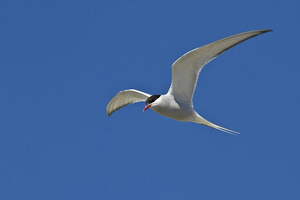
(152, 99)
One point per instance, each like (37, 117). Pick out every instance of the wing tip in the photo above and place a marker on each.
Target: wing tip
(108, 113)
(266, 30)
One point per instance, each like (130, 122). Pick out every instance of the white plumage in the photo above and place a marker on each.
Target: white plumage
(178, 102)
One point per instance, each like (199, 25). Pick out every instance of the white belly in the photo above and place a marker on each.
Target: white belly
(175, 110)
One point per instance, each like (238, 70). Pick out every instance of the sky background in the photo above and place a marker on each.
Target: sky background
(62, 61)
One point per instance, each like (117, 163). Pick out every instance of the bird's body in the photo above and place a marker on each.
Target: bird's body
(170, 107)
(177, 103)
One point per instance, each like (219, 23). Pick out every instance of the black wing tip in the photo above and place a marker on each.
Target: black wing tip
(260, 32)
(266, 30)
(108, 114)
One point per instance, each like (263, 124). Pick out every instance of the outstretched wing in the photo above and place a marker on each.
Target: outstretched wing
(186, 69)
(124, 98)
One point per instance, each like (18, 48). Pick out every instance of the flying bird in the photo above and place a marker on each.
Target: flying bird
(178, 102)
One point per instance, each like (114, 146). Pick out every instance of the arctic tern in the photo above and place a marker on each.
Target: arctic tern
(177, 103)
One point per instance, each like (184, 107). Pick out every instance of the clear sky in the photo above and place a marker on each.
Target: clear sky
(62, 61)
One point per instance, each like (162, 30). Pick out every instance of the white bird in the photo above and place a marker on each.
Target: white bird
(177, 103)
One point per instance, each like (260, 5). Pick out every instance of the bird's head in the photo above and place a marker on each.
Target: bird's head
(150, 101)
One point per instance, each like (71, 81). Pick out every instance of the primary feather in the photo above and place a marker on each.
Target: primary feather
(124, 98)
(186, 69)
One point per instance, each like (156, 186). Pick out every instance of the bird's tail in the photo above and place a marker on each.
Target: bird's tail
(200, 120)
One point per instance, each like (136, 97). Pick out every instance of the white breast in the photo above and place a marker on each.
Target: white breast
(167, 106)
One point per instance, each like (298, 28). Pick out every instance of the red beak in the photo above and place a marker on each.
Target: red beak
(147, 106)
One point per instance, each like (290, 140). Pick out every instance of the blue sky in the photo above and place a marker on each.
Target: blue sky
(62, 61)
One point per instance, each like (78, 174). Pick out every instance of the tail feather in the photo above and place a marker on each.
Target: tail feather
(201, 120)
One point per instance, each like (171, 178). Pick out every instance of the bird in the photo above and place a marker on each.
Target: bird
(177, 103)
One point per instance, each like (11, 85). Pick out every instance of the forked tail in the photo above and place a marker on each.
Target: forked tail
(200, 120)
